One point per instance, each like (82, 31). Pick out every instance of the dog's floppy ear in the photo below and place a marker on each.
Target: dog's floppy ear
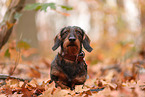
(86, 43)
(57, 42)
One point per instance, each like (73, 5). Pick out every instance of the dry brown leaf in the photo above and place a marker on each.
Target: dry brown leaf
(33, 82)
(47, 93)
(34, 73)
(28, 52)
(61, 93)
(26, 92)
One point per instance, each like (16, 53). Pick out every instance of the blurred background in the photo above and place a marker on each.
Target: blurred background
(116, 29)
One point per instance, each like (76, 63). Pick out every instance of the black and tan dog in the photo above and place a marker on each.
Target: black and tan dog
(69, 68)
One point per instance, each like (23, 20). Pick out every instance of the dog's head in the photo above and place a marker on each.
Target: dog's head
(71, 39)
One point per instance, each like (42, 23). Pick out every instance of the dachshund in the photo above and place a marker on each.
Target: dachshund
(69, 68)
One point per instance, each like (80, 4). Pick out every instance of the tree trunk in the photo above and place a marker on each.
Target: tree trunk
(142, 51)
(9, 20)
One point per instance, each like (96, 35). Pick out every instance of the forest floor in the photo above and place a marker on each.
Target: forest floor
(27, 77)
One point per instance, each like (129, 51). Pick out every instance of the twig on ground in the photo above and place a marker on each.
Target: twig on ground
(4, 77)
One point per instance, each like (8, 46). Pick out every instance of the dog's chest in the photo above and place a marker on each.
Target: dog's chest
(71, 68)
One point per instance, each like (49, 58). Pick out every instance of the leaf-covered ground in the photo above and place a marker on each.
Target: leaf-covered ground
(106, 78)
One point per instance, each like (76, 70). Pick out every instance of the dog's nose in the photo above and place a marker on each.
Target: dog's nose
(72, 39)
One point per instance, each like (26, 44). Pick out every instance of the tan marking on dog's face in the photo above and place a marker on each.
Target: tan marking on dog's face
(72, 48)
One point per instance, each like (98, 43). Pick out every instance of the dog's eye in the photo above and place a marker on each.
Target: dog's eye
(64, 33)
(78, 32)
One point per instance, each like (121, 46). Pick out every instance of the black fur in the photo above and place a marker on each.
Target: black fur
(71, 70)
(58, 42)
(86, 44)
(68, 72)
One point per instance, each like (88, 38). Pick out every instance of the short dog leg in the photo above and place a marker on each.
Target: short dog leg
(56, 85)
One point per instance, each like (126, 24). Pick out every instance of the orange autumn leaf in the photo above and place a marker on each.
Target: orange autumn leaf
(65, 14)
(9, 25)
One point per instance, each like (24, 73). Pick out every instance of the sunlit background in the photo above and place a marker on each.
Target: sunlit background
(107, 22)
(116, 29)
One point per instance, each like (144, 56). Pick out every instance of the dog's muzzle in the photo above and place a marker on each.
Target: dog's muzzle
(72, 39)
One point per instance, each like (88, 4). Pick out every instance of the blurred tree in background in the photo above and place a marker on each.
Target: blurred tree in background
(118, 22)
(116, 29)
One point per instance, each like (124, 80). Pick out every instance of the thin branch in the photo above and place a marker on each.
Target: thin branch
(4, 77)
(16, 63)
